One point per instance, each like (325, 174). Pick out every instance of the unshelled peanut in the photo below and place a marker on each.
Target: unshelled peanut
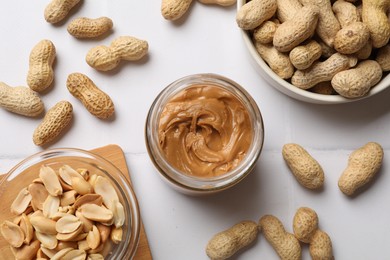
(322, 71)
(265, 32)
(346, 13)
(225, 244)
(84, 27)
(95, 100)
(174, 9)
(374, 15)
(287, 9)
(276, 60)
(219, 2)
(303, 56)
(305, 168)
(356, 82)
(363, 164)
(55, 121)
(320, 247)
(57, 10)
(383, 57)
(254, 13)
(305, 224)
(122, 48)
(20, 100)
(328, 25)
(351, 38)
(284, 243)
(40, 74)
(293, 32)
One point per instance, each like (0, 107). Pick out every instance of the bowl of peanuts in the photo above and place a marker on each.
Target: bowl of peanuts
(322, 52)
(67, 204)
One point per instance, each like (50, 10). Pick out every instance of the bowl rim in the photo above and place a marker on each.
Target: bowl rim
(303, 95)
(132, 200)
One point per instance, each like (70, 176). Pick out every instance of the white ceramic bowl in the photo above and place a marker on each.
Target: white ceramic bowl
(285, 87)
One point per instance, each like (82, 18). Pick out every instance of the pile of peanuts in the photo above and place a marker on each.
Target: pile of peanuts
(327, 47)
(26, 101)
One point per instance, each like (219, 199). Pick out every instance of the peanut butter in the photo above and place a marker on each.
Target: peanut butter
(204, 131)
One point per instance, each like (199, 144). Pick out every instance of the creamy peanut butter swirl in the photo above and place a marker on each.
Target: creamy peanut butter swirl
(204, 131)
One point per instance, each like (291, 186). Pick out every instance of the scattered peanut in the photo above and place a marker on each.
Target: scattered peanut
(278, 61)
(293, 32)
(219, 2)
(363, 164)
(55, 121)
(374, 15)
(254, 13)
(305, 168)
(20, 100)
(40, 74)
(303, 56)
(174, 9)
(95, 100)
(285, 244)
(226, 243)
(356, 82)
(305, 224)
(128, 48)
(57, 10)
(84, 27)
(321, 246)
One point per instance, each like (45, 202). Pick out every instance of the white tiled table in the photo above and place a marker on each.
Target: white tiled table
(206, 40)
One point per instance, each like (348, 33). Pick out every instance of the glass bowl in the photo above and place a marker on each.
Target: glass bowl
(191, 184)
(286, 88)
(27, 170)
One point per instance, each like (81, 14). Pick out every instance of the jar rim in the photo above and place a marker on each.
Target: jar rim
(191, 182)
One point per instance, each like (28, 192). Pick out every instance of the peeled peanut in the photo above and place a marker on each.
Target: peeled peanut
(27, 229)
(40, 74)
(358, 81)
(26, 251)
(254, 13)
(21, 202)
(305, 168)
(95, 257)
(81, 186)
(68, 224)
(174, 9)
(321, 246)
(75, 254)
(284, 243)
(96, 213)
(43, 225)
(305, 224)
(73, 236)
(84, 27)
(55, 121)
(12, 233)
(95, 100)
(50, 180)
(50, 206)
(293, 32)
(93, 238)
(61, 253)
(48, 241)
(88, 198)
(226, 243)
(116, 235)
(127, 48)
(39, 194)
(363, 164)
(57, 10)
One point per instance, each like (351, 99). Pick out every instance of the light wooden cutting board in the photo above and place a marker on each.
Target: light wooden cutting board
(114, 154)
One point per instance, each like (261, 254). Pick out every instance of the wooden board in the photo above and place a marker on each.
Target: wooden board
(112, 153)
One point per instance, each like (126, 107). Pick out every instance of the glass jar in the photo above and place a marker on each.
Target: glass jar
(26, 171)
(191, 184)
